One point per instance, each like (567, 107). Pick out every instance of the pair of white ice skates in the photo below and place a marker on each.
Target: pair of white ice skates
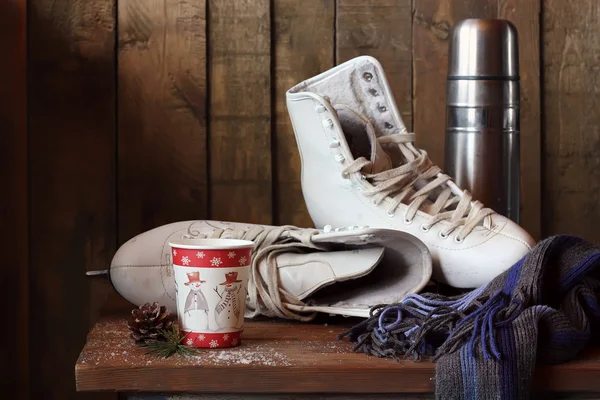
(397, 219)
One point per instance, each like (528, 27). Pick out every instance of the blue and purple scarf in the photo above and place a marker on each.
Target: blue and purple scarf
(488, 341)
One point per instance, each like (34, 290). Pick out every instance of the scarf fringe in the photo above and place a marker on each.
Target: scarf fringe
(430, 325)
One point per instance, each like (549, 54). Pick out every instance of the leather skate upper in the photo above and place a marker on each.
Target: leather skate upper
(412, 179)
(345, 272)
(357, 85)
(391, 184)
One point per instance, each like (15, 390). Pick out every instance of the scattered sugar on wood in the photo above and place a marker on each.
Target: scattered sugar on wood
(117, 348)
(240, 356)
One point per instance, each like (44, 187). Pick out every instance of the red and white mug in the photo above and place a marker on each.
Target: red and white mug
(211, 281)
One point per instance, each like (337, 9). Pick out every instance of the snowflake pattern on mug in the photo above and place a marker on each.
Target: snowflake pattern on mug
(211, 258)
(213, 340)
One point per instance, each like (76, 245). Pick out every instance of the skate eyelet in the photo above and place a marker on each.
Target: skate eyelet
(328, 123)
(443, 235)
(374, 92)
(390, 214)
(368, 76)
(388, 125)
(424, 228)
(373, 203)
(382, 108)
(407, 221)
(339, 158)
(457, 240)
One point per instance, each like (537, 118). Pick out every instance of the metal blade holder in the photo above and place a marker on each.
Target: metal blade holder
(482, 151)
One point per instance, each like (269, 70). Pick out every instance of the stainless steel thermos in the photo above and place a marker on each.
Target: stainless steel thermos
(482, 113)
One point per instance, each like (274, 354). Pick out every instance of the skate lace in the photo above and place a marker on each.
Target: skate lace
(265, 296)
(402, 185)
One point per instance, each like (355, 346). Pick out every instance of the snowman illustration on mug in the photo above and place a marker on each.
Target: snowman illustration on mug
(228, 313)
(195, 314)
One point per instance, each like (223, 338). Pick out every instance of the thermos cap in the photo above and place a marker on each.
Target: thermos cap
(483, 49)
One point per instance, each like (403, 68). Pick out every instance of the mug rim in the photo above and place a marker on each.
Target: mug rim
(211, 244)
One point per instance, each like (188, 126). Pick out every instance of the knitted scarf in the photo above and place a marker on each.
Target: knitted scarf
(487, 342)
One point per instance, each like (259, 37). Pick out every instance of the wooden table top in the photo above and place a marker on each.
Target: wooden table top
(279, 357)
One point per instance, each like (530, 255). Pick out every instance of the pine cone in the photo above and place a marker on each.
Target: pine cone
(148, 320)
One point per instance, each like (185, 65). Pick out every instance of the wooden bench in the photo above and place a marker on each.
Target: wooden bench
(278, 358)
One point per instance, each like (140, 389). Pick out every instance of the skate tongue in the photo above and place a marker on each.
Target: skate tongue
(362, 140)
(381, 161)
(303, 274)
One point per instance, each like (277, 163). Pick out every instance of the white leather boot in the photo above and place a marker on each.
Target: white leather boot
(360, 167)
(344, 271)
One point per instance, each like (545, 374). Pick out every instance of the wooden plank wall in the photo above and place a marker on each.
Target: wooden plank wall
(142, 112)
(13, 201)
(72, 154)
(571, 151)
(161, 108)
(240, 111)
(303, 40)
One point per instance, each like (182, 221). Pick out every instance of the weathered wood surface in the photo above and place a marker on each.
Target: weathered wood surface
(162, 159)
(13, 202)
(266, 396)
(571, 163)
(525, 15)
(72, 151)
(310, 396)
(240, 111)
(280, 357)
(303, 48)
(274, 357)
(381, 29)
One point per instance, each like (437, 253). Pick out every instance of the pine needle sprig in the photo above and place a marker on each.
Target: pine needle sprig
(172, 344)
